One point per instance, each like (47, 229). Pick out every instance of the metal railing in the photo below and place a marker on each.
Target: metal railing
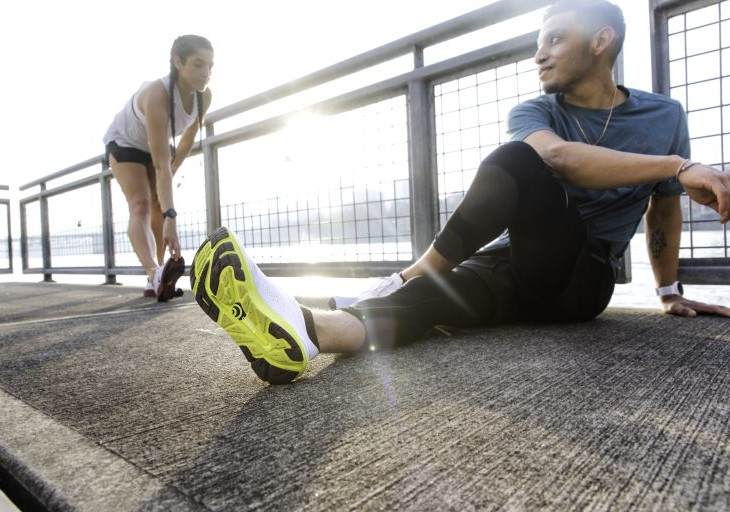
(691, 46)
(411, 92)
(375, 211)
(6, 236)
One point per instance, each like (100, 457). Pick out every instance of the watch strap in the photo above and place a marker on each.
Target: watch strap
(673, 289)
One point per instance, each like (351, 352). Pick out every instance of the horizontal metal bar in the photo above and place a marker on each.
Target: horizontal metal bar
(705, 262)
(704, 270)
(334, 269)
(330, 269)
(677, 6)
(86, 270)
(4, 187)
(521, 45)
(705, 275)
(65, 270)
(77, 167)
(469, 22)
(68, 187)
(86, 181)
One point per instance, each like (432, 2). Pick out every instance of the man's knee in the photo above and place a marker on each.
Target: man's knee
(517, 158)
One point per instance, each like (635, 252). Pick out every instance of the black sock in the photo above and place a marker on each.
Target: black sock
(309, 324)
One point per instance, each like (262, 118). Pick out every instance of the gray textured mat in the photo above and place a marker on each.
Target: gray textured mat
(155, 409)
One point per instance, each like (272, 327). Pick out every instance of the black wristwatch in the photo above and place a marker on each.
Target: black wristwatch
(675, 288)
(170, 212)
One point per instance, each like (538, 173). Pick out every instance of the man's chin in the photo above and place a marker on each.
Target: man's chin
(550, 88)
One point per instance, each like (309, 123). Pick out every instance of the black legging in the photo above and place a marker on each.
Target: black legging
(553, 269)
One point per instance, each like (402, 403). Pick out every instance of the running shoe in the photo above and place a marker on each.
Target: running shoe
(265, 322)
(166, 277)
(382, 287)
(149, 291)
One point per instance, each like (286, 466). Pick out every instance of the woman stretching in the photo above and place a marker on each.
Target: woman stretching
(143, 161)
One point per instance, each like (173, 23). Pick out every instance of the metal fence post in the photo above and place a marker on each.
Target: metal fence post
(107, 226)
(45, 234)
(6, 202)
(23, 238)
(422, 161)
(212, 187)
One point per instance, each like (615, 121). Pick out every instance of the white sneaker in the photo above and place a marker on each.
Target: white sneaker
(265, 322)
(382, 287)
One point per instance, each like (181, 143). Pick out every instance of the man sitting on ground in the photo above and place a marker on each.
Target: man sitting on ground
(588, 158)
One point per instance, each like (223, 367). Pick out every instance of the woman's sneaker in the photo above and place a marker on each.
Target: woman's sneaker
(149, 291)
(264, 321)
(165, 278)
(384, 286)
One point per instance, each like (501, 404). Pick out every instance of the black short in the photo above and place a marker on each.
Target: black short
(123, 154)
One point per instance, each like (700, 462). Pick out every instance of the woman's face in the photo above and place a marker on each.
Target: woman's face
(196, 69)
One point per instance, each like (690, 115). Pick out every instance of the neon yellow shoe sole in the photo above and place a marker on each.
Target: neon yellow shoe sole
(266, 324)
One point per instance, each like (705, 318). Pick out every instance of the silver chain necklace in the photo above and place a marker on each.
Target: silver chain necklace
(605, 126)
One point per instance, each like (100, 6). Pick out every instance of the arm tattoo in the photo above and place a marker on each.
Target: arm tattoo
(657, 243)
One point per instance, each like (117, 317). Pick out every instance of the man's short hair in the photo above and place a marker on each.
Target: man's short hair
(595, 14)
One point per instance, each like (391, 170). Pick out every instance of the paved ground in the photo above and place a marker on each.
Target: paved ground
(113, 402)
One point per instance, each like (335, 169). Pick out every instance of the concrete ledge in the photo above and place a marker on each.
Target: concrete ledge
(64, 470)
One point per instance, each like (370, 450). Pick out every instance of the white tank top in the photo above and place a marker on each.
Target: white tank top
(129, 128)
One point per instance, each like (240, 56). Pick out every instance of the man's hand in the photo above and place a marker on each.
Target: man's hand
(709, 187)
(170, 238)
(680, 306)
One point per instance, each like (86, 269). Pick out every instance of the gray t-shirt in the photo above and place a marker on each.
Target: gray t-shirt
(646, 123)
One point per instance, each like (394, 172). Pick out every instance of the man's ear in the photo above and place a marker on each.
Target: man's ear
(602, 40)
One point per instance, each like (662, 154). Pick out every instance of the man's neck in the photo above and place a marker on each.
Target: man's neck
(598, 93)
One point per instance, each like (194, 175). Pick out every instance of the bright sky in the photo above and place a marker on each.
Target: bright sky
(71, 65)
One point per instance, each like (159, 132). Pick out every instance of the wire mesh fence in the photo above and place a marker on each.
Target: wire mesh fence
(471, 121)
(325, 189)
(699, 77)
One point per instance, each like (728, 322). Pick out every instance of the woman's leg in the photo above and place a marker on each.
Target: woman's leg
(132, 178)
(156, 218)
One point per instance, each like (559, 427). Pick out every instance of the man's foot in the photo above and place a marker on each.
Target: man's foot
(149, 291)
(264, 321)
(166, 277)
(384, 286)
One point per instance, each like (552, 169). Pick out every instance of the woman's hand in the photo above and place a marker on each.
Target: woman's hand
(170, 238)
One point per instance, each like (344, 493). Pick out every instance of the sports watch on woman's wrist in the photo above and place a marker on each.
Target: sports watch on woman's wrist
(675, 288)
(170, 212)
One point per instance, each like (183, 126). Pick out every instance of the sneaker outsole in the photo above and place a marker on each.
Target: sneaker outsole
(173, 270)
(224, 288)
(148, 292)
